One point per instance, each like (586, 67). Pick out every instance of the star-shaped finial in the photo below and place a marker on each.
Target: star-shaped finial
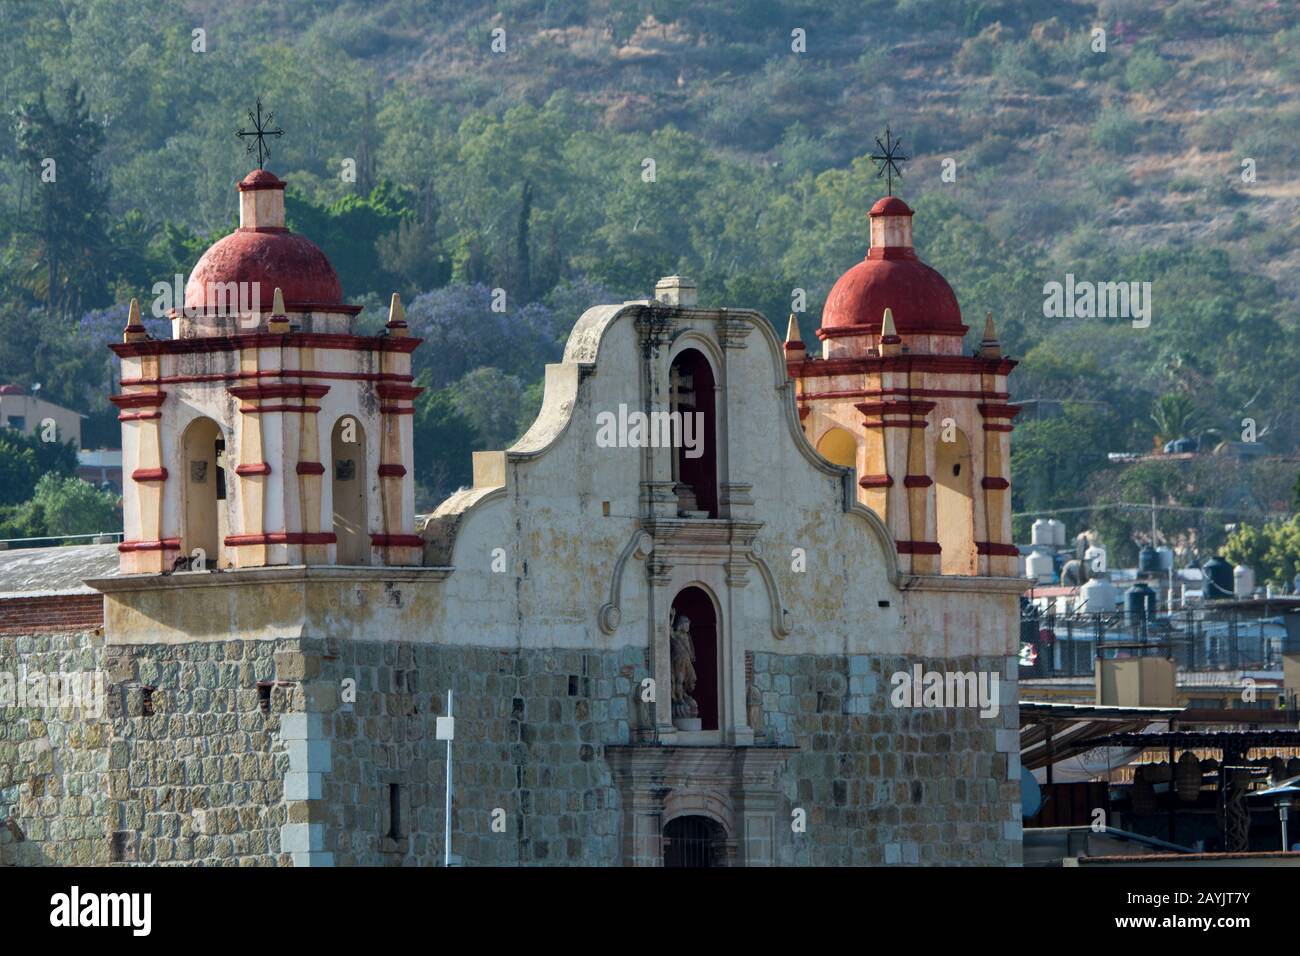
(257, 136)
(888, 160)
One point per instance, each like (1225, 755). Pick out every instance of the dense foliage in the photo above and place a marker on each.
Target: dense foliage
(526, 171)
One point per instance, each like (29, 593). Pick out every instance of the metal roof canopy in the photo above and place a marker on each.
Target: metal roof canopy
(1050, 733)
(1234, 741)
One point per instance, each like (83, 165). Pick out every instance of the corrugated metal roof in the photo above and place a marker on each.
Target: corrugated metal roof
(31, 572)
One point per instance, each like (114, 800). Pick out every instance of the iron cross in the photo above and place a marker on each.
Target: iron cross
(888, 159)
(257, 136)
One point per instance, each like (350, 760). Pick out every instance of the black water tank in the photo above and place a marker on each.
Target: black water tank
(1138, 601)
(1218, 579)
(1148, 560)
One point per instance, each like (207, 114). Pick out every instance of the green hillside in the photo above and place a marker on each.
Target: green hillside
(523, 169)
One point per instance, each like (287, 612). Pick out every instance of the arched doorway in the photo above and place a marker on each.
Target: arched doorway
(955, 505)
(348, 491)
(694, 605)
(204, 452)
(839, 446)
(694, 841)
(695, 468)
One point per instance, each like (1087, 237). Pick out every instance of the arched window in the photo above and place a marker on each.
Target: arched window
(955, 506)
(204, 450)
(839, 446)
(695, 639)
(695, 459)
(348, 484)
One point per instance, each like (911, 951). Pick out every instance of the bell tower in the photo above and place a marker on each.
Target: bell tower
(266, 431)
(926, 427)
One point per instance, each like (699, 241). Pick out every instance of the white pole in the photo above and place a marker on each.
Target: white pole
(447, 833)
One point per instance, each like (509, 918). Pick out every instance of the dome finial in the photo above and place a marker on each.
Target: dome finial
(792, 336)
(890, 341)
(989, 346)
(279, 322)
(134, 331)
(396, 317)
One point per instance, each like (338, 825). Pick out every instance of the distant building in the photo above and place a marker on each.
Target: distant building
(24, 413)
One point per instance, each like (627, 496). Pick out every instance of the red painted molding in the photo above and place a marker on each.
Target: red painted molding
(948, 364)
(149, 474)
(998, 550)
(396, 541)
(233, 343)
(843, 331)
(310, 468)
(281, 537)
(397, 392)
(896, 423)
(910, 392)
(396, 410)
(918, 547)
(138, 399)
(166, 544)
(259, 409)
(138, 416)
(895, 408)
(253, 469)
(804, 412)
(274, 373)
(392, 471)
(991, 410)
(876, 481)
(299, 390)
(917, 481)
(999, 428)
(995, 484)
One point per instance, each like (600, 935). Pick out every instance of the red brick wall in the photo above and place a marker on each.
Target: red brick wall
(57, 612)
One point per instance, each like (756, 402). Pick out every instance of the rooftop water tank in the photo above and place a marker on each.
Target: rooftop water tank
(1040, 533)
(1166, 556)
(1095, 559)
(1039, 567)
(1058, 532)
(1243, 581)
(1138, 602)
(1218, 579)
(1098, 596)
(1148, 560)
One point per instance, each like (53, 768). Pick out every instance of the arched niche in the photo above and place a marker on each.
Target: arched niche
(695, 464)
(696, 605)
(205, 522)
(348, 481)
(955, 505)
(837, 445)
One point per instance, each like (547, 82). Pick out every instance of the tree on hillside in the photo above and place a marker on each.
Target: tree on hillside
(1174, 416)
(66, 267)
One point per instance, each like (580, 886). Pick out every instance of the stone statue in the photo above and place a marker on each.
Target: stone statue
(683, 664)
(754, 708)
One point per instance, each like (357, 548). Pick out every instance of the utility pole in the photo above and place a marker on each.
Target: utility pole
(446, 730)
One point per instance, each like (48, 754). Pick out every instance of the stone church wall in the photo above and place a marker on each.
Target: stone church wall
(210, 778)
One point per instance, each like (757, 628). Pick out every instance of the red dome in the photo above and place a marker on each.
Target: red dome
(921, 299)
(274, 259)
(892, 277)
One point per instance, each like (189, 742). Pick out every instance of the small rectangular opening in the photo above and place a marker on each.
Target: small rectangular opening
(882, 603)
(146, 701)
(604, 509)
(394, 811)
(264, 696)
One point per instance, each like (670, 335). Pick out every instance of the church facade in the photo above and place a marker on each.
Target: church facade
(682, 616)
